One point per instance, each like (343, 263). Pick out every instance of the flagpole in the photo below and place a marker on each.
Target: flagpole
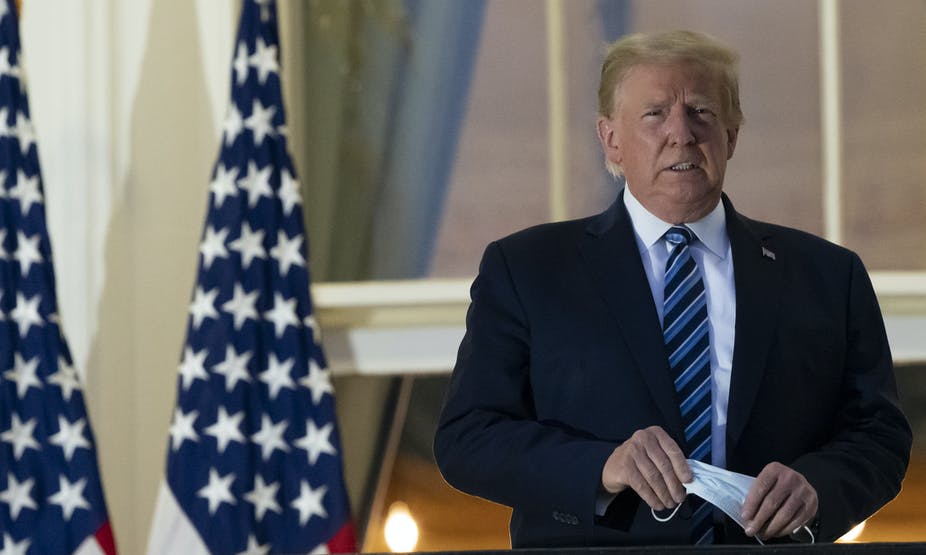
(390, 450)
(558, 154)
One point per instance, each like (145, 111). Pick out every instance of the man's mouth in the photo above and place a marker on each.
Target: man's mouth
(684, 167)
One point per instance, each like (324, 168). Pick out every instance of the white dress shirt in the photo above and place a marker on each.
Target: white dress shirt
(711, 252)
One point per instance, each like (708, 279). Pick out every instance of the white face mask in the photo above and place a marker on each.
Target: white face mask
(722, 488)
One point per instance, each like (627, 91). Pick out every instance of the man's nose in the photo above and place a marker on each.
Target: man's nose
(679, 128)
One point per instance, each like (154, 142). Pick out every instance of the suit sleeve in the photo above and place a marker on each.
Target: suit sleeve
(489, 441)
(862, 466)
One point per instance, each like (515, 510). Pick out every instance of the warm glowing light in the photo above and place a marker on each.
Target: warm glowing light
(852, 534)
(401, 529)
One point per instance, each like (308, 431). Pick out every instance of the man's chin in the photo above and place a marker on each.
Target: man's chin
(689, 202)
(691, 189)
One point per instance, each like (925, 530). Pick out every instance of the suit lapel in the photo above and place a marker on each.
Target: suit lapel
(613, 260)
(758, 270)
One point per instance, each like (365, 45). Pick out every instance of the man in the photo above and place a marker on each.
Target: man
(602, 353)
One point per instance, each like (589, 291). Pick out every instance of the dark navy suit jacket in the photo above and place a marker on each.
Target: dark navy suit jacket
(563, 359)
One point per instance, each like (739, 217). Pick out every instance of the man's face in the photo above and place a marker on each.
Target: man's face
(668, 134)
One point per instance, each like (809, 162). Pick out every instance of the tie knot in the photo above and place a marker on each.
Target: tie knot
(678, 235)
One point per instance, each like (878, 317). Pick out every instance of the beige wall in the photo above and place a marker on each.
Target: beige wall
(150, 255)
(127, 152)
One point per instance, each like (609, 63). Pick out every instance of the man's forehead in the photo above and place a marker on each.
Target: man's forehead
(660, 82)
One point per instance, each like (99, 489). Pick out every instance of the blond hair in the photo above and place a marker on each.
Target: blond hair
(667, 47)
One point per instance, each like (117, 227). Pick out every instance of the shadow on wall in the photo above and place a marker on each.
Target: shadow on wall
(150, 261)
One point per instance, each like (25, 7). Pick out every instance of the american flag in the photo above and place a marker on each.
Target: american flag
(51, 499)
(254, 454)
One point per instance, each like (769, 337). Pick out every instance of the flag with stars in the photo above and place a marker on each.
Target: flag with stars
(51, 499)
(254, 463)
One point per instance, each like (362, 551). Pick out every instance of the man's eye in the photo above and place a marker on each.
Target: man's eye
(653, 113)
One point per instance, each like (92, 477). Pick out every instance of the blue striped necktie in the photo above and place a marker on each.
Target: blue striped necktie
(685, 331)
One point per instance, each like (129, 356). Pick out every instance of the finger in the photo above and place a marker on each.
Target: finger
(798, 522)
(665, 455)
(763, 484)
(639, 484)
(812, 509)
(808, 510)
(676, 457)
(759, 524)
(766, 502)
(653, 475)
(760, 487)
(785, 519)
(646, 455)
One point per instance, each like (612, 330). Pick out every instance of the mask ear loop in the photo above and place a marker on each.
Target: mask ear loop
(813, 540)
(668, 518)
(809, 533)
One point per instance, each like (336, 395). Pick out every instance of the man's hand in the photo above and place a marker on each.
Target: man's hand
(779, 502)
(650, 463)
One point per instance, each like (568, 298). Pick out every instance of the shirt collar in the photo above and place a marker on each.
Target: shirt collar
(711, 230)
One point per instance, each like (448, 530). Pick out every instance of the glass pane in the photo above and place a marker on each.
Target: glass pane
(590, 188)
(775, 173)
(500, 181)
(884, 114)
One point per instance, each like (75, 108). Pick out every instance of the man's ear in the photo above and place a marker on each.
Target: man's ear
(607, 136)
(732, 135)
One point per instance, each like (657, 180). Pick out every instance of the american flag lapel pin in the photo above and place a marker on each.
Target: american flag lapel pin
(767, 253)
